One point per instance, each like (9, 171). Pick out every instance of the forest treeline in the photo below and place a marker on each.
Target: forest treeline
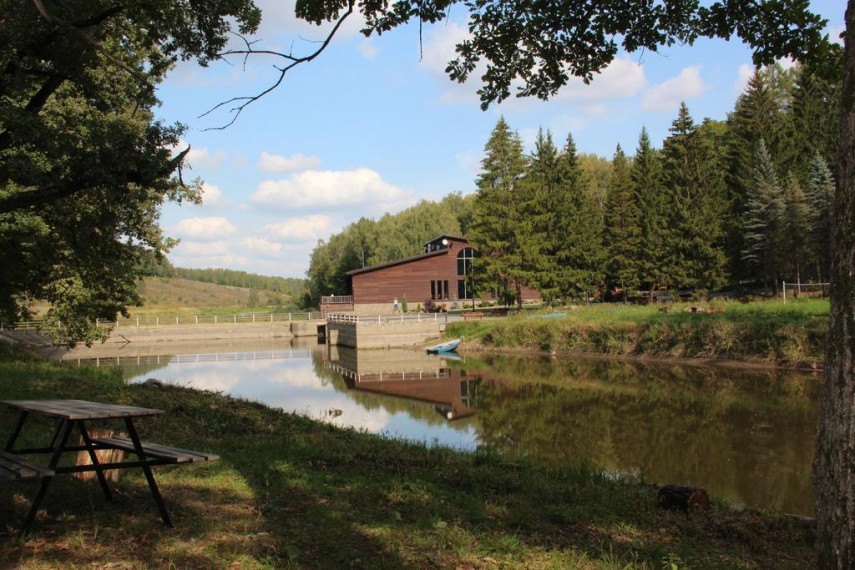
(740, 202)
(290, 286)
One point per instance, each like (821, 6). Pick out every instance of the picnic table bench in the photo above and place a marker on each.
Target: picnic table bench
(473, 315)
(16, 467)
(164, 453)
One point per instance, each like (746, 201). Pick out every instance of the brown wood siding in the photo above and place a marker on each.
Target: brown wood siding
(412, 279)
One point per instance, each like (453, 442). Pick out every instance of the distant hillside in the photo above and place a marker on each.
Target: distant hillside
(172, 295)
(288, 285)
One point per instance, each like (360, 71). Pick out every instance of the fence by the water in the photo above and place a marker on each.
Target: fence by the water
(185, 358)
(236, 318)
(387, 319)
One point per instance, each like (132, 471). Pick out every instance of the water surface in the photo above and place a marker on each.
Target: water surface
(743, 435)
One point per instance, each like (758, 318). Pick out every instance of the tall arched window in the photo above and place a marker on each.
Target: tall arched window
(464, 260)
(464, 271)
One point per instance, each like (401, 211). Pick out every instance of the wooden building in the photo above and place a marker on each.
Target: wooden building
(437, 275)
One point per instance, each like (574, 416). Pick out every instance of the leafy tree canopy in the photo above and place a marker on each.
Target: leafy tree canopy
(84, 166)
(543, 44)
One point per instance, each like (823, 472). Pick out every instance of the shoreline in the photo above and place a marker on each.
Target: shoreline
(723, 363)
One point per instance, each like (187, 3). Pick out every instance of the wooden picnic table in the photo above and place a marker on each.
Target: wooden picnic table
(79, 414)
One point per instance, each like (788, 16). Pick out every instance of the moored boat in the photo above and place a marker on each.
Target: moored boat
(447, 346)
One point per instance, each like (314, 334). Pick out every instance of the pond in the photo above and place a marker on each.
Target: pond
(743, 435)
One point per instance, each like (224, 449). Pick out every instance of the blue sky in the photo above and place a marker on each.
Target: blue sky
(373, 126)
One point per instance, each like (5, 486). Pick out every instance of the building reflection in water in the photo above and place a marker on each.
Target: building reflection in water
(441, 381)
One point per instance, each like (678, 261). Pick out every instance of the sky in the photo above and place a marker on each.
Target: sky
(373, 126)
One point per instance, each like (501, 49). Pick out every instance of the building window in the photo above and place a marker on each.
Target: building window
(461, 289)
(464, 269)
(439, 289)
(464, 260)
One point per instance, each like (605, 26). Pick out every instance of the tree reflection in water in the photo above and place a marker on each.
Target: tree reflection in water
(744, 435)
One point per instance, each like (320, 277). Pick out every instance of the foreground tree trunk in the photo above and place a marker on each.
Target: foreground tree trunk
(834, 463)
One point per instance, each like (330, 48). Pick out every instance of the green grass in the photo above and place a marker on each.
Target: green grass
(789, 333)
(290, 492)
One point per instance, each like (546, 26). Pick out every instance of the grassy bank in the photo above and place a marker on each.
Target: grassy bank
(789, 333)
(291, 492)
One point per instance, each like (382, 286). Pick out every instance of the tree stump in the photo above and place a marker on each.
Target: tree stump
(104, 456)
(686, 499)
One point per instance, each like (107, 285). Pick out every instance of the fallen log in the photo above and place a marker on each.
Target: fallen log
(686, 499)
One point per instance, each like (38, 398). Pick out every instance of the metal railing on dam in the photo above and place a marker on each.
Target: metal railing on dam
(232, 356)
(236, 318)
(403, 318)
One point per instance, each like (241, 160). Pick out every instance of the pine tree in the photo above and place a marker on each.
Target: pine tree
(763, 220)
(705, 227)
(756, 116)
(498, 226)
(577, 240)
(647, 187)
(543, 185)
(622, 227)
(813, 121)
(820, 196)
(796, 228)
(679, 187)
(694, 187)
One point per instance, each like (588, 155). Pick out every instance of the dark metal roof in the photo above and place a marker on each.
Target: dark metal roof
(397, 262)
(411, 258)
(439, 237)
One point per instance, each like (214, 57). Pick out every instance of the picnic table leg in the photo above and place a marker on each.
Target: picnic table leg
(22, 417)
(152, 484)
(87, 441)
(65, 430)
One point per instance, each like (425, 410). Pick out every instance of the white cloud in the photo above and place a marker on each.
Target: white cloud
(746, 72)
(294, 163)
(368, 48)
(203, 158)
(438, 50)
(622, 78)
(278, 16)
(787, 63)
(260, 246)
(668, 95)
(308, 228)
(470, 161)
(330, 189)
(205, 229)
(211, 195)
(835, 34)
(203, 249)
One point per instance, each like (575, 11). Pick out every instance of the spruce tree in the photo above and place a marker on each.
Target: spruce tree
(577, 247)
(756, 116)
(498, 226)
(820, 196)
(622, 227)
(813, 120)
(647, 187)
(694, 188)
(679, 186)
(763, 221)
(796, 228)
(543, 185)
